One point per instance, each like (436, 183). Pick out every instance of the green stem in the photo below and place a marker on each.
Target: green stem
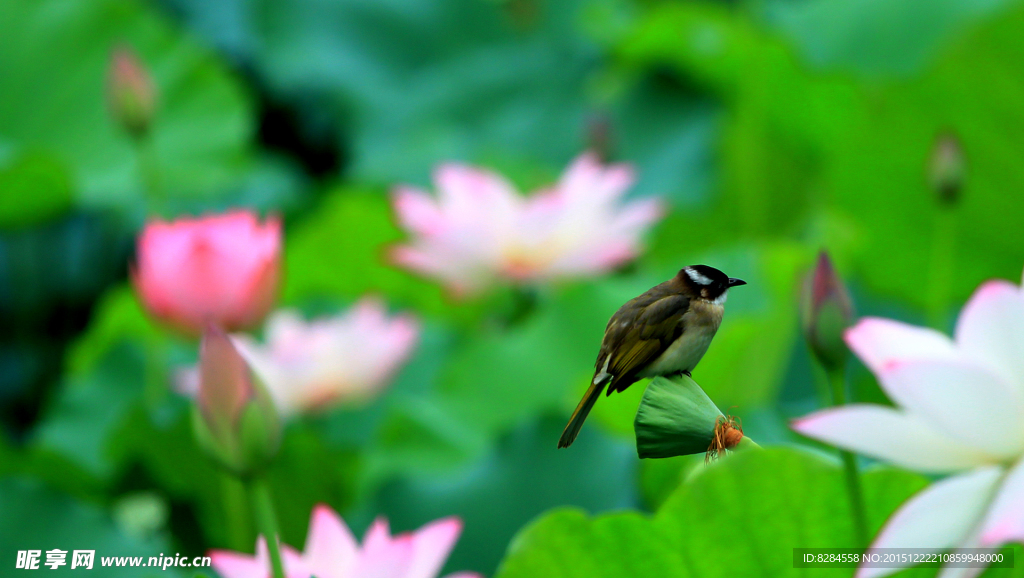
(523, 302)
(747, 443)
(825, 394)
(154, 385)
(853, 486)
(149, 174)
(266, 521)
(837, 380)
(233, 493)
(940, 268)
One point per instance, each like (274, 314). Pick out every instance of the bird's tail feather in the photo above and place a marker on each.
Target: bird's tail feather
(572, 429)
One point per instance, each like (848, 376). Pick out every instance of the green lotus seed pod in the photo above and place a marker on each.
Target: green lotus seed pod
(675, 418)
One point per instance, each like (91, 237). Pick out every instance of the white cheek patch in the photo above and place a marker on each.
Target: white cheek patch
(697, 277)
(720, 300)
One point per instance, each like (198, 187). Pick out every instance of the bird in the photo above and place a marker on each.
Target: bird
(664, 331)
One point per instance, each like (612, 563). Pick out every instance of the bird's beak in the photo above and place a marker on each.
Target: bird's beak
(734, 282)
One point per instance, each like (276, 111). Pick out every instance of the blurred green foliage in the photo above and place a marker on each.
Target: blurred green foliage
(55, 59)
(341, 251)
(773, 128)
(51, 520)
(36, 188)
(797, 140)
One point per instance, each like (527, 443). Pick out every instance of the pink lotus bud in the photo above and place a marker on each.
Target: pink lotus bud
(601, 136)
(225, 384)
(234, 419)
(827, 312)
(947, 169)
(131, 95)
(221, 269)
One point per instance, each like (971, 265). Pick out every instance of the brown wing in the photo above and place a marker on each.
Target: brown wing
(638, 333)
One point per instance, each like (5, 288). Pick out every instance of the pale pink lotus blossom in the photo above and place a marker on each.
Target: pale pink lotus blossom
(959, 410)
(332, 552)
(308, 365)
(221, 269)
(479, 229)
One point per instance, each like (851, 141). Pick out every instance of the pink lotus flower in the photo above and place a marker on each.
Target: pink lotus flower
(221, 269)
(307, 365)
(332, 552)
(960, 406)
(480, 229)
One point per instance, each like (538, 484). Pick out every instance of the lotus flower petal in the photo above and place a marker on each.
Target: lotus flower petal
(940, 516)
(991, 329)
(1005, 522)
(332, 552)
(587, 179)
(221, 269)
(480, 230)
(385, 559)
(954, 572)
(346, 358)
(961, 399)
(418, 211)
(462, 277)
(892, 435)
(377, 535)
(236, 565)
(431, 545)
(879, 342)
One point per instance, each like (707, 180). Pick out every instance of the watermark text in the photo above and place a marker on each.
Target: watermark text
(85, 559)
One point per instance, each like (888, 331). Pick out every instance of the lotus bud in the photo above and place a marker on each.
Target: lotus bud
(234, 419)
(600, 136)
(827, 312)
(948, 168)
(131, 95)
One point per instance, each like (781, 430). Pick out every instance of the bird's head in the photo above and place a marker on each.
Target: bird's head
(707, 282)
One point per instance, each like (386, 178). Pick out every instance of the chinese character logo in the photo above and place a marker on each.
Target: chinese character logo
(28, 559)
(83, 559)
(55, 558)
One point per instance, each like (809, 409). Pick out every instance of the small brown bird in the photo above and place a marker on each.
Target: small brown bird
(662, 332)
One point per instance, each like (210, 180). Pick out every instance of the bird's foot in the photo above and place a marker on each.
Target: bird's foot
(686, 373)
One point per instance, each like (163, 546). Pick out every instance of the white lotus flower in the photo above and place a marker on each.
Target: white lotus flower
(480, 230)
(960, 410)
(307, 365)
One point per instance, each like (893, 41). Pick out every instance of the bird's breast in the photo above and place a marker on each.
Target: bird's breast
(700, 324)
